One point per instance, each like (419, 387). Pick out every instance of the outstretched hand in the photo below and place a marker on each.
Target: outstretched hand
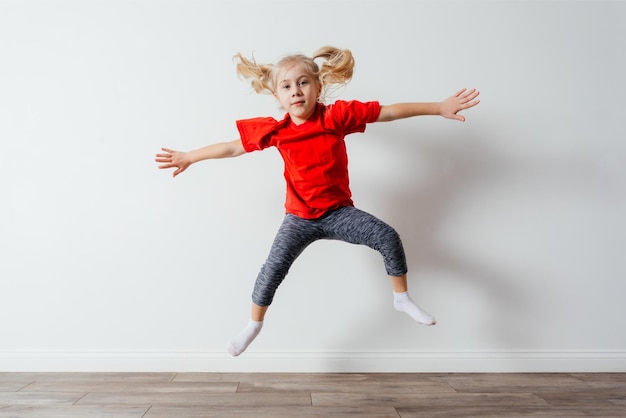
(462, 100)
(173, 159)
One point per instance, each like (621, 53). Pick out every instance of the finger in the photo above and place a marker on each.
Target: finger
(168, 162)
(471, 95)
(471, 104)
(169, 151)
(467, 103)
(459, 93)
(468, 95)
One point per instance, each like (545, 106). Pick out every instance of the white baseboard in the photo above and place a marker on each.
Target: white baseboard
(340, 362)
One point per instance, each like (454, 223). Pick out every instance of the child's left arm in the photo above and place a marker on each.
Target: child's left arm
(449, 108)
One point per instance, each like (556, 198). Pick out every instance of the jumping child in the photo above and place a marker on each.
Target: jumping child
(310, 139)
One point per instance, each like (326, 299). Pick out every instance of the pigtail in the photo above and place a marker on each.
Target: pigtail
(334, 72)
(258, 74)
(338, 67)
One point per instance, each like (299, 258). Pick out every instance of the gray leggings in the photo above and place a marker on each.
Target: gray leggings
(345, 224)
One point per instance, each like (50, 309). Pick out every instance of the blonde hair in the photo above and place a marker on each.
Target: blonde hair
(334, 72)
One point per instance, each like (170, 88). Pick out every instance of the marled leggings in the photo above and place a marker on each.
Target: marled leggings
(345, 224)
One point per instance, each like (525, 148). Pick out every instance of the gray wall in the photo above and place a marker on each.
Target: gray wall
(513, 221)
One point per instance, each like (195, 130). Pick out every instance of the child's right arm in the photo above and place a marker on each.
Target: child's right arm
(182, 160)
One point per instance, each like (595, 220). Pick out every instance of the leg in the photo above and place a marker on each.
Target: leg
(358, 227)
(239, 344)
(399, 283)
(355, 226)
(403, 302)
(258, 312)
(294, 235)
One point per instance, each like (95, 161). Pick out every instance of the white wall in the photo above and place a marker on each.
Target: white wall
(513, 222)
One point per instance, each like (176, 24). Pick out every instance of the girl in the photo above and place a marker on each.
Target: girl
(310, 139)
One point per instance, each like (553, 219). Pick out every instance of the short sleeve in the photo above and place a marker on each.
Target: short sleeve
(256, 133)
(353, 115)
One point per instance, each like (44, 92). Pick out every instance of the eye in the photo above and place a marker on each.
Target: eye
(285, 86)
(303, 83)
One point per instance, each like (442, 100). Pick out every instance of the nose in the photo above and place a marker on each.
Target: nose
(296, 91)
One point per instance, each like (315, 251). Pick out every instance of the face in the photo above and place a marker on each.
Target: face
(297, 92)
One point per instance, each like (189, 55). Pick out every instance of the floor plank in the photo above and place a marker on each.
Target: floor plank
(198, 399)
(270, 412)
(585, 398)
(511, 382)
(58, 398)
(425, 400)
(337, 395)
(344, 386)
(131, 387)
(12, 386)
(29, 411)
(486, 411)
(87, 377)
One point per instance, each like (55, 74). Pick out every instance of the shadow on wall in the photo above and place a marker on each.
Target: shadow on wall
(505, 260)
(420, 207)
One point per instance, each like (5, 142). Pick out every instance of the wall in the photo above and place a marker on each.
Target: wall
(512, 221)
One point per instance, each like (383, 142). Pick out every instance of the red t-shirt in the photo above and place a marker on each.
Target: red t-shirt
(316, 161)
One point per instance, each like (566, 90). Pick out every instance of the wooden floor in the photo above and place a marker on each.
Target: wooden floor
(337, 395)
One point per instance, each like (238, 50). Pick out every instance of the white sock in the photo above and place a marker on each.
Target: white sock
(403, 303)
(239, 344)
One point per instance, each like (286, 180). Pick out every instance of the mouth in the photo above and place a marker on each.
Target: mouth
(298, 103)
